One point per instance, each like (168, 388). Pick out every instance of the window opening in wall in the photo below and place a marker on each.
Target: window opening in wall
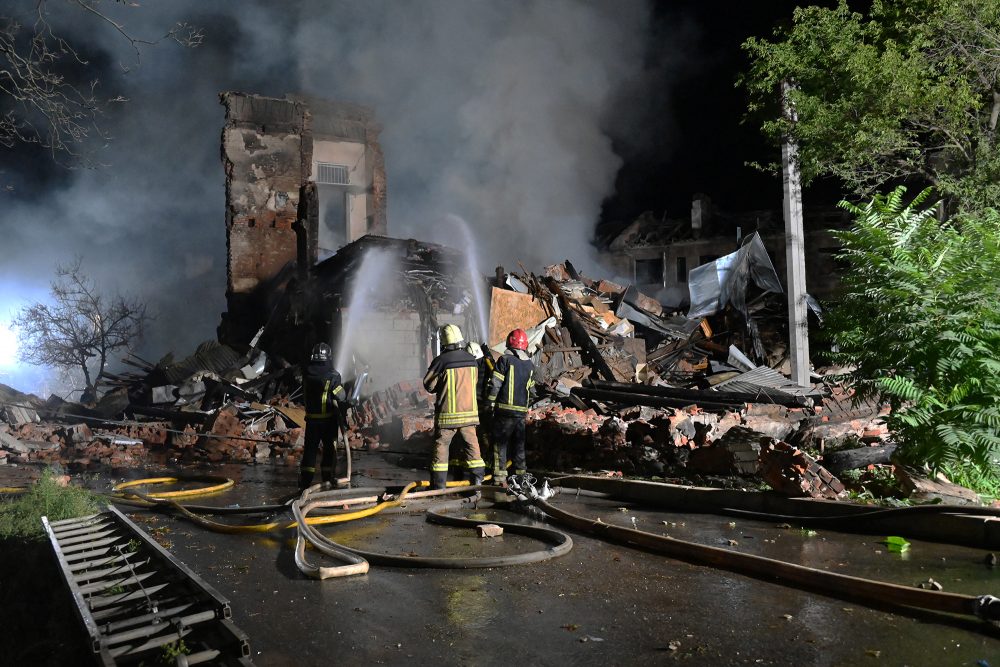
(682, 269)
(649, 271)
(333, 216)
(328, 173)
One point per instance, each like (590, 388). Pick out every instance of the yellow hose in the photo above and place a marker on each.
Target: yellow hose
(12, 489)
(463, 482)
(183, 493)
(232, 529)
(236, 529)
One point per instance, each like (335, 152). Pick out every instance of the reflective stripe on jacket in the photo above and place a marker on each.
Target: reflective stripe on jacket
(322, 388)
(513, 381)
(452, 377)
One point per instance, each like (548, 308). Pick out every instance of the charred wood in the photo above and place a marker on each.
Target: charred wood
(697, 395)
(579, 333)
(850, 459)
(629, 398)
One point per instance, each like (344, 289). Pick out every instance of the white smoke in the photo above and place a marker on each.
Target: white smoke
(492, 111)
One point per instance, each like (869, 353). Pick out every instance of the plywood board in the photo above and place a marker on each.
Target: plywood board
(512, 310)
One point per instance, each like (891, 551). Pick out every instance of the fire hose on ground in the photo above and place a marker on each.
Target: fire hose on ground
(357, 561)
(986, 607)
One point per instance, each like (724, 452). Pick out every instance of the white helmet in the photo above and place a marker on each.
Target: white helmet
(321, 352)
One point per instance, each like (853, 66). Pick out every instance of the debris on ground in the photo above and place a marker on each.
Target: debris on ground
(626, 384)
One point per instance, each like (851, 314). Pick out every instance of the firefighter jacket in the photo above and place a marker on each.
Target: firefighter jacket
(513, 382)
(322, 387)
(453, 377)
(485, 370)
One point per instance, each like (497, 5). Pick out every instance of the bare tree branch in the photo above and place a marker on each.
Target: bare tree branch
(41, 99)
(80, 327)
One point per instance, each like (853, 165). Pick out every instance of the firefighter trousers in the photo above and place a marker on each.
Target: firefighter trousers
(508, 440)
(472, 460)
(319, 432)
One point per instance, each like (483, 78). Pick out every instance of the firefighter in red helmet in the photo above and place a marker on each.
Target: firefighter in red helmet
(511, 394)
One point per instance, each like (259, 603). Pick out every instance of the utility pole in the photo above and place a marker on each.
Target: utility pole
(798, 323)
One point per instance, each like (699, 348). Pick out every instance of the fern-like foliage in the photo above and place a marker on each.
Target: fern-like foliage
(920, 321)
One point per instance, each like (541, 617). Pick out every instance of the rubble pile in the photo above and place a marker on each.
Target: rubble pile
(635, 387)
(210, 406)
(626, 385)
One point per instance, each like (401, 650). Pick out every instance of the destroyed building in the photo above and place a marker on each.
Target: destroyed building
(380, 301)
(657, 254)
(305, 206)
(303, 178)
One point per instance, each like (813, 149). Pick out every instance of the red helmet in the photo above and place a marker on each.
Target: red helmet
(517, 340)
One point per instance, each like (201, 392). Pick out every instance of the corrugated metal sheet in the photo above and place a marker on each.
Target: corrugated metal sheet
(765, 380)
(210, 356)
(17, 415)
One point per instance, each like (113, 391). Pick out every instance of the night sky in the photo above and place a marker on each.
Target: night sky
(699, 138)
(534, 120)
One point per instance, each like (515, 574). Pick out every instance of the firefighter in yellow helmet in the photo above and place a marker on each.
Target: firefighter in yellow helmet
(453, 378)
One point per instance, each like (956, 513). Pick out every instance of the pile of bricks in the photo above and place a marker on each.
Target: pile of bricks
(792, 472)
(380, 408)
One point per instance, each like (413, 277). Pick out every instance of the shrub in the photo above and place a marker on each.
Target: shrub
(21, 517)
(920, 322)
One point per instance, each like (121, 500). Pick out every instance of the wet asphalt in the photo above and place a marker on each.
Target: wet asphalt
(601, 604)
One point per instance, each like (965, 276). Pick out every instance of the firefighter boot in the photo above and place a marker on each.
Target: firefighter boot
(439, 479)
(306, 478)
(329, 475)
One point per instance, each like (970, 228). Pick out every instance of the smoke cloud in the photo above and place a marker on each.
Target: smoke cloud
(495, 112)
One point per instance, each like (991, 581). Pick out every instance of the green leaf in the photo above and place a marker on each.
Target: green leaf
(896, 544)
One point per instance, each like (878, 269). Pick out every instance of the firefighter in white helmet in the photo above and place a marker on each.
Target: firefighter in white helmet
(323, 395)
(453, 378)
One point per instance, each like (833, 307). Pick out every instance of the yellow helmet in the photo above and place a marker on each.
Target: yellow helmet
(451, 335)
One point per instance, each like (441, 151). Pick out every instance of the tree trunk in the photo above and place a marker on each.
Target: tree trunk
(89, 392)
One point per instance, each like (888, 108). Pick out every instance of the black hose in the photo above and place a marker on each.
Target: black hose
(939, 510)
(983, 606)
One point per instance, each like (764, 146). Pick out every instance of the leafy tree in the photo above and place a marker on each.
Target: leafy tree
(920, 321)
(908, 92)
(79, 328)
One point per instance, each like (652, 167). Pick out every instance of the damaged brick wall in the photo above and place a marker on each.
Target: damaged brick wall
(342, 121)
(266, 152)
(268, 147)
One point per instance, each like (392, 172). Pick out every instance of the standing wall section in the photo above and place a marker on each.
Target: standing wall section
(267, 155)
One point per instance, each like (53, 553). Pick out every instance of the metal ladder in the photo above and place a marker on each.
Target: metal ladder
(138, 602)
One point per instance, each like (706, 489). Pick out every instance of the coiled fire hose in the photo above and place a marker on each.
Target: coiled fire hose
(986, 607)
(355, 560)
